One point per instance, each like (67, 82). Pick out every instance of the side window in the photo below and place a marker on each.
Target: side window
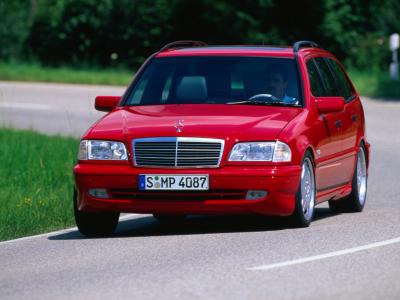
(345, 88)
(327, 77)
(317, 87)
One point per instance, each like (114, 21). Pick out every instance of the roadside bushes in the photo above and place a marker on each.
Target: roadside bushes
(15, 20)
(120, 33)
(99, 32)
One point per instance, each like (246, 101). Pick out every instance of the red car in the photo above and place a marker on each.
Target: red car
(225, 130)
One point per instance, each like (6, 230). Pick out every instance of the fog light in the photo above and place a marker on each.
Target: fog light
(99, 193)
(255, 195)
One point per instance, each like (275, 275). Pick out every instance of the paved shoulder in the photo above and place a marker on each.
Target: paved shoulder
(51, 108)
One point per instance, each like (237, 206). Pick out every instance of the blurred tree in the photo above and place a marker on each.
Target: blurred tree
(70, 31)
(14, 26)
(136, 29)
(124, 32)
(362, 30)
(300, 22)
(384, 16)
(220, 22)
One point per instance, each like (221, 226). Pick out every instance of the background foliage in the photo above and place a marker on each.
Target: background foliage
(123, 32)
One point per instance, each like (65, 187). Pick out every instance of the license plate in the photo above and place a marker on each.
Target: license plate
(173, 182)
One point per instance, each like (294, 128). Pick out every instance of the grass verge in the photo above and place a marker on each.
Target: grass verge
(34, 72)
(36, 183)
(375, 84)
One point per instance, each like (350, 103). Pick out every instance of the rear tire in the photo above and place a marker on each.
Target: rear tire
(95, 224)
(355, 202)
(305, 196)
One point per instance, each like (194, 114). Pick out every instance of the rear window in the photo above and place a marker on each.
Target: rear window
(214, 80)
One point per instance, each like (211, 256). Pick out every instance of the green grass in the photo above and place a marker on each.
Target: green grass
(34, 72)
(36, 183)
(375, 84)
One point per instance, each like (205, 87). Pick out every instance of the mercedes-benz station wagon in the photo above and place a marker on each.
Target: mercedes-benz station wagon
(225, 130)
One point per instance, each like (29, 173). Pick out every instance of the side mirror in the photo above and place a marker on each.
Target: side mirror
(106, 103)
(330, 104)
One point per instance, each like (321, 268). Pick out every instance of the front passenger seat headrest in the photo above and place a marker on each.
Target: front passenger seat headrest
(192, 88)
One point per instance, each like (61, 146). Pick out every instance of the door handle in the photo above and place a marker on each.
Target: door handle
(354, 118)
(338, 123)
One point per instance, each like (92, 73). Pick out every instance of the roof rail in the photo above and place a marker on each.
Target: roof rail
(298, 45)
(183, 44)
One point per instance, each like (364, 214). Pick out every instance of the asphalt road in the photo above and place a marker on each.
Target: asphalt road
(346, 256)
(51, 108)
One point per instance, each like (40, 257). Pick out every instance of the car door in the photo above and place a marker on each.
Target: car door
(328, 169)
(351, 117)
(351, 120)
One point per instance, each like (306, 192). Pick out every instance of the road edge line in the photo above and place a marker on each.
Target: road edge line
(326, 255)
(66, 230)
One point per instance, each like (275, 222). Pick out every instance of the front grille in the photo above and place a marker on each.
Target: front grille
(177, 152)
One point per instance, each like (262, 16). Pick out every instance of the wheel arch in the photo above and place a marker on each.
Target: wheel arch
(366, 148)
(310, 149)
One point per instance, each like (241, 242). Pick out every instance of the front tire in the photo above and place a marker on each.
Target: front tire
(95, 224)
(305, 196)
(355, 202)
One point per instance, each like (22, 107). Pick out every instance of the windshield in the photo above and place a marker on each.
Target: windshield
(217, 80)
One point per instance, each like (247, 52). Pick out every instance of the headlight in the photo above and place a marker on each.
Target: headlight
(261, 151)
(102, 150)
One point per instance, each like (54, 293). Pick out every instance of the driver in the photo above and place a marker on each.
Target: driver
(276, 83)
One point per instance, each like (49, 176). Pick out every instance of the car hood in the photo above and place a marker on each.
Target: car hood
(237, 122)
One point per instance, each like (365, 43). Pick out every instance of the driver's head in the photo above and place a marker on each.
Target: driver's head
(276, 81)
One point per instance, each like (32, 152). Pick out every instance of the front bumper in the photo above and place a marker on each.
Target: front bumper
(228, 188)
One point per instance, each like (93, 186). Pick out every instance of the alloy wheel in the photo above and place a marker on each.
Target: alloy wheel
(307, 189)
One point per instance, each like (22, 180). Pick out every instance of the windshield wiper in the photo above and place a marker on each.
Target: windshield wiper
(257, 102)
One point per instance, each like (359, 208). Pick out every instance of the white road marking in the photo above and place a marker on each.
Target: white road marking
(326, 255)
(26, 105)
(63, 231)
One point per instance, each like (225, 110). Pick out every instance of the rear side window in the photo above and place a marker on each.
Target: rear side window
(317, 87)
(327, 77)
(345, 89)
